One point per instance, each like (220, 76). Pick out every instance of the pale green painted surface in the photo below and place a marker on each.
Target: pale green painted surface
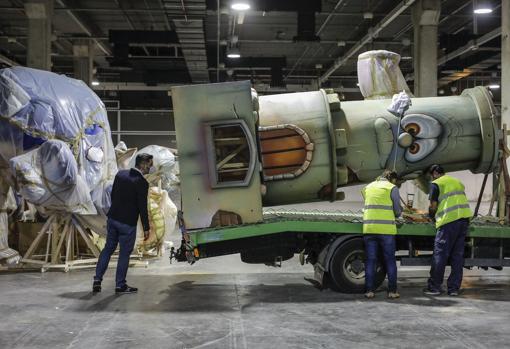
(194, 106)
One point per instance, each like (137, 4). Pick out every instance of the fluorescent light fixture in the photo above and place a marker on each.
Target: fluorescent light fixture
(234, 53)
(483, 10)
(482, 7)
(240, 6)
(95, 83)
(494, 86)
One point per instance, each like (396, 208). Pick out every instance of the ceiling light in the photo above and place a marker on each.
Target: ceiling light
(483, 10)
(340, 43)
(240, 6)
(494, 86)
(234, 53)
(95, 83)
(482, 7)
(368, 15)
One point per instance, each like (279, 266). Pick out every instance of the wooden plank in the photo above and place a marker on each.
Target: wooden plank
(38, 238)
(69, 237)
(281, 144)
(55, 237)
(63, 234)
(87, 239)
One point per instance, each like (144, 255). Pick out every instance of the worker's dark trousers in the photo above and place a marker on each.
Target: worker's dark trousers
(387, 244)
(449, 243)
(125, 236)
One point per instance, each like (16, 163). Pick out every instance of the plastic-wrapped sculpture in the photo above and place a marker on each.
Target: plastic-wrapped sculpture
(55, 142)
(7, 205)
(167, 170)
(163, 192)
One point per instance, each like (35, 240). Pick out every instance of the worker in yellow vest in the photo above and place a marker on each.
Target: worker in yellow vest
(382, 206)
(449, 208)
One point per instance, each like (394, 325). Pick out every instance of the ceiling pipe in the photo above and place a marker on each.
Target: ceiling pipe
(317, 34)
(372, 33)
(83, 27)
(126, 16)
(7, 61)
(470, 45)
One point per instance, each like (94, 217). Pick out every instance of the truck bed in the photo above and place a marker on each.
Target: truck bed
(344, 222)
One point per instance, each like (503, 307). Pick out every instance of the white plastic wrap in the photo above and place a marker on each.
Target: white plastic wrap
(48, 177)
(167, 170)
(379, 75)
(162, 217)
(399, 104)
(37, 106)
(124, 155)
(7, 204)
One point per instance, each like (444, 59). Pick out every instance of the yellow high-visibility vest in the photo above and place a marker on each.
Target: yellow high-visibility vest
(378, 215)
(453, 203)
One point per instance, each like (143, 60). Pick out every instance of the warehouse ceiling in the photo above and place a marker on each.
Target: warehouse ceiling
(285, 45)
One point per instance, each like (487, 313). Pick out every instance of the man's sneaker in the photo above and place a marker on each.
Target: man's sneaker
(429, 292)
(125, 289)
(370, 295)
(453, 293)
(96, 286)
(393, 295)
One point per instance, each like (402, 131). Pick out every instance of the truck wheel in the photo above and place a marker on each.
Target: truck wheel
(347, 268)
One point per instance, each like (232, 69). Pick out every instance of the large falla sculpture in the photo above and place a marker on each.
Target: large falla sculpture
(239, 152)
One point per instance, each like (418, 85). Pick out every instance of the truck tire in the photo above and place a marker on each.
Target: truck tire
(347, 268)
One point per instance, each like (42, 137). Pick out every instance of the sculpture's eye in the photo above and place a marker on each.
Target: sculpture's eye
(420, 149)
(421, 126)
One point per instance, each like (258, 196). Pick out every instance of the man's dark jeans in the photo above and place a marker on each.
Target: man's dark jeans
(449, 243)
(125, 236)
(387, 244)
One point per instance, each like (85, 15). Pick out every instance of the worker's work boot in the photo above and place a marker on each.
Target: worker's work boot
(96, 286)
(393, 295)
(370, 295)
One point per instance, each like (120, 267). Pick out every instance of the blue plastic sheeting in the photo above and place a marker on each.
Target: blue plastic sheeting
(37, 106)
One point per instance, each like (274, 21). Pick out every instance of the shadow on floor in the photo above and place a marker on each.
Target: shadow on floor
(180, 294)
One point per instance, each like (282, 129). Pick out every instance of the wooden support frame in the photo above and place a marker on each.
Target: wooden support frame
(60, 229)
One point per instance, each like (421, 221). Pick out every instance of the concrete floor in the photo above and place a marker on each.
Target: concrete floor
(223, 303)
